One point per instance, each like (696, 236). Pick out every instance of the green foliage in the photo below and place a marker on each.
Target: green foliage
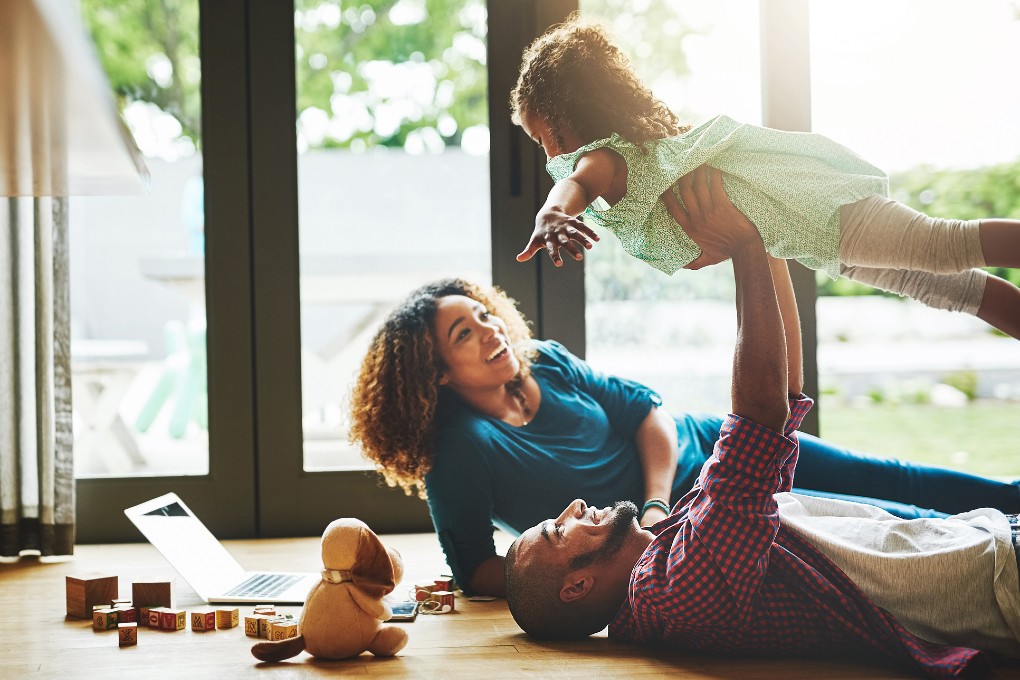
(149, 51)
(965, 381)
(384, 69)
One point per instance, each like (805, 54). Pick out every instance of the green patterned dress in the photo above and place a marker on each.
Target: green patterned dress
(790, 184)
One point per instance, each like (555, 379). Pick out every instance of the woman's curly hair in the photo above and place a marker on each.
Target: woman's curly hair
(574, 77)
(394, 400)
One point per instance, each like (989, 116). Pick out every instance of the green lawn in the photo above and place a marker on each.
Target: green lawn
(983, 437)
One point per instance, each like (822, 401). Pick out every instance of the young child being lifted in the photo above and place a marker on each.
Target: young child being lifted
(618, 154)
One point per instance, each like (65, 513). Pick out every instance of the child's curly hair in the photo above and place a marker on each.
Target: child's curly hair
(574, 77)
(394, 400)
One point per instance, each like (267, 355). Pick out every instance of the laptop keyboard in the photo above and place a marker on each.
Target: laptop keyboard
(264, 585)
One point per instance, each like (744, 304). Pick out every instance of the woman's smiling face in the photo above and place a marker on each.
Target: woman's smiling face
(474, 345)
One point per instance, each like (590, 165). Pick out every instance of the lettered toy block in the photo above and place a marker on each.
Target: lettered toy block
(445, 599)
(252, 624)
(152, 593)
(86, 591)
(128, 633)
(172, 619)
(127, 614)
(227, 617)
(203, 621)
(264, 624)
(281, 630)
(154, 617)
(105, 619)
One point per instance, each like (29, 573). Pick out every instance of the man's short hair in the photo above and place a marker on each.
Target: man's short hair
(533, 596)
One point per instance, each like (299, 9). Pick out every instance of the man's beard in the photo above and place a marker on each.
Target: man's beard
(620, 524)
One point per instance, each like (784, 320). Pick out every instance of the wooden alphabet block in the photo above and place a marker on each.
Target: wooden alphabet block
(282, 629)
(172, 619)
(105, 619)
(128, 634)
(154, 617)
(264, 626)
(127, 614)
(252, 624)
(203, 621)
(226, 617)
(445, 599)
(152, 593)
(86, 591)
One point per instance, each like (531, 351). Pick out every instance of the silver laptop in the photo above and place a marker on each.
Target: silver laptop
(205, 564)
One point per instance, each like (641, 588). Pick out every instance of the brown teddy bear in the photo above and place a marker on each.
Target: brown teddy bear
(344, 611)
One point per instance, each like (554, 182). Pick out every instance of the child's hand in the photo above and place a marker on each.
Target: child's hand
(555, 230)
(709, 217)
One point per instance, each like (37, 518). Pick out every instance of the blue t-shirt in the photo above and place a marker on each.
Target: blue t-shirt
(579, 444)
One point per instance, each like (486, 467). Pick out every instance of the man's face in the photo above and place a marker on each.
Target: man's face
(582, 537)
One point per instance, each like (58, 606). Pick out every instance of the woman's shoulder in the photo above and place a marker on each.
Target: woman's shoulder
(551, 353)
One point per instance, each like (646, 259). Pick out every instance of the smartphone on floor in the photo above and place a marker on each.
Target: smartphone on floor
(404, 611)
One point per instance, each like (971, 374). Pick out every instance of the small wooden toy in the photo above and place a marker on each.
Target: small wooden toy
(152, 593)
(444, 583)
(226, 617)
(127, 634)
(105, 619)
(282, 629)
(86, 591)
(154, 617)
(127, 614)
(442, 602)
(265, 609)
(203, 621)
(264, 624)
(252, 624)
(423, 591)
(172, 619)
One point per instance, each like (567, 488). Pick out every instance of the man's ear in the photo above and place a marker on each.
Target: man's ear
(576, 587)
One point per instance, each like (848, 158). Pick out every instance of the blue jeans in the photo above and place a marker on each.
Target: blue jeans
(908, 490)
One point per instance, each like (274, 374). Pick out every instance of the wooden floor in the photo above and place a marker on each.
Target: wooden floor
(478, 640)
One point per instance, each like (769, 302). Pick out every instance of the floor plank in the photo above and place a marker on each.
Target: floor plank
(478, 640)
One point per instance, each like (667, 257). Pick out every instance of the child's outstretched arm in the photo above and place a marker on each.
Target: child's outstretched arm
(556, 224)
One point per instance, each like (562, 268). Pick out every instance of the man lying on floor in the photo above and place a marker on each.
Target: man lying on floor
(741, 566)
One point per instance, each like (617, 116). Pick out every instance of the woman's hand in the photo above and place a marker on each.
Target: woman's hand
(652, 515)
(555, 230)
(708, 216)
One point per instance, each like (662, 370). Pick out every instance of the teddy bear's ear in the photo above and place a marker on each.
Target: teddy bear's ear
(373, 571)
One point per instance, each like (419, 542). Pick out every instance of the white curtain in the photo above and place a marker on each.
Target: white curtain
(36, 465)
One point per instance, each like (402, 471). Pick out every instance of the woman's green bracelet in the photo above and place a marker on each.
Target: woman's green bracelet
(655, 503)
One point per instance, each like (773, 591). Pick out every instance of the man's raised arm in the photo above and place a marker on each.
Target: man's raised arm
(760, 361)
(759, 391)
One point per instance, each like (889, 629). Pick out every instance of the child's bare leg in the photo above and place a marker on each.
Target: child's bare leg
(1000, 306)
(1000, 242)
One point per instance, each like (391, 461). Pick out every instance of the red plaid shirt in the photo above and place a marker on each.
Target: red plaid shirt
(723, 576)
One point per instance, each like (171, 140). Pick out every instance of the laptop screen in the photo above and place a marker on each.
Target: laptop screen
(186, 543)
